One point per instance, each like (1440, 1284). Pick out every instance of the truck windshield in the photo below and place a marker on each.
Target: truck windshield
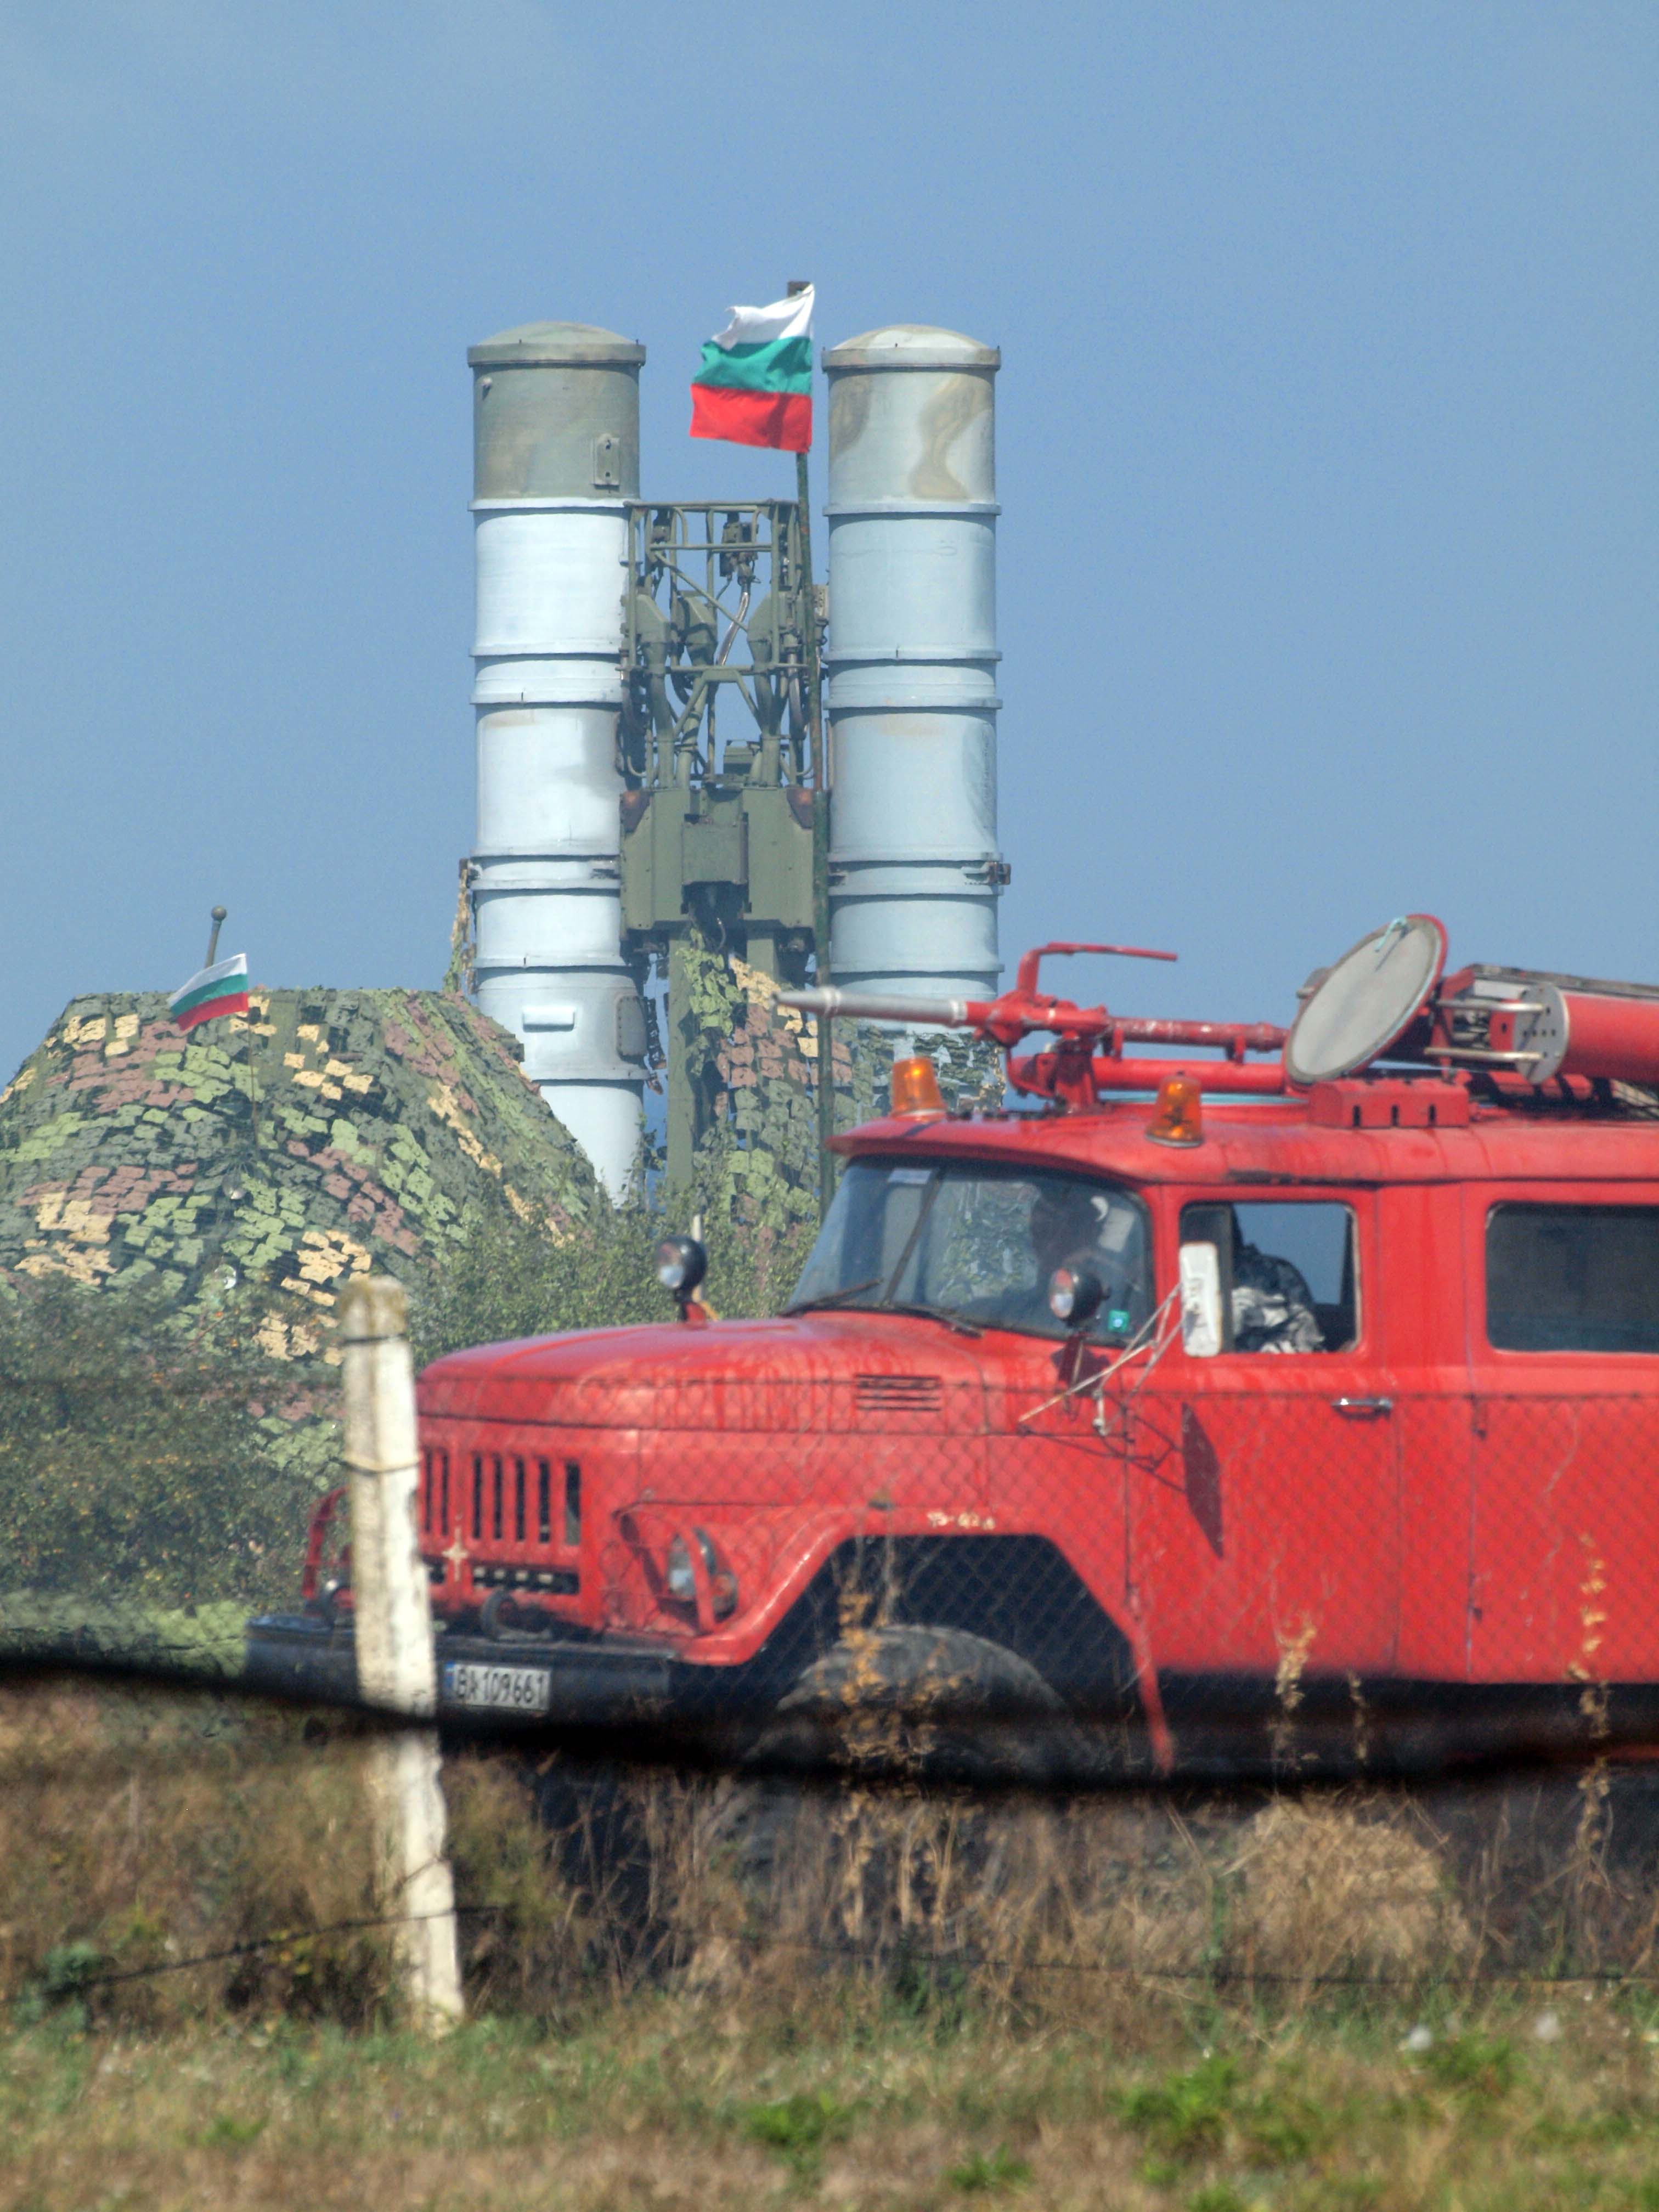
(978, 1243)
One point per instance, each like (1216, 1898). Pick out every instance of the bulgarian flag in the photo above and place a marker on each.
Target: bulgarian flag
(754, 385)
(220, 989)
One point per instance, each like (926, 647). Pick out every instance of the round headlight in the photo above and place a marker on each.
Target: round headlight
(682, 1264)
(681, 1580)
(1074, 1296)
(680, 1577)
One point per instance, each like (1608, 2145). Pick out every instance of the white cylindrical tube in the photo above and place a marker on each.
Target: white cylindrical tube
(914, 870)
(879, 1006)
(556, 459)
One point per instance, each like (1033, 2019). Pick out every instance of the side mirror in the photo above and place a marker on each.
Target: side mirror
(1201, 1323)
(1074, 1297)
(682, 1263)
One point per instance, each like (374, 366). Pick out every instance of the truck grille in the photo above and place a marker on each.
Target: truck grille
(560, 1582)
(898, 1393)
(519, 1504)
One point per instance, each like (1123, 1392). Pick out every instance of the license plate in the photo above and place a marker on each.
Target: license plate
(498, 1689)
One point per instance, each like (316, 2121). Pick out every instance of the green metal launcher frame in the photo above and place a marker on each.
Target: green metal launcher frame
(724, 819)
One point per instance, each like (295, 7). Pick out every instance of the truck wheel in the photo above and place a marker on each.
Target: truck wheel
(940, 1701)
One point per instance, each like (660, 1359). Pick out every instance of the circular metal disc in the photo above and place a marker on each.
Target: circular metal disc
(1544, 1031)
(1367, 1001)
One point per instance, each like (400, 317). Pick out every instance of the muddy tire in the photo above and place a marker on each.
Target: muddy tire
(939, 1703)
(922, 1670)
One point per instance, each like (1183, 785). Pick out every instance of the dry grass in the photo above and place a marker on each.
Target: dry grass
(1328, 1887)
(688, 1991)
(141, 1829)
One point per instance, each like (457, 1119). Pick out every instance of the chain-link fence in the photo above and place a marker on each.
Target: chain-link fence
(161, 1857)
(1145, 1569)
(1197, 1806)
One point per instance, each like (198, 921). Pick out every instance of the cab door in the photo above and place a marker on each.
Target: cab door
(1564, 1366)
(1264, 1519)
(1059, 1482)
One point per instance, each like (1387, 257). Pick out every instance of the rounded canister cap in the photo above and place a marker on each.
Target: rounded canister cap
(911, 346)
(555, 345)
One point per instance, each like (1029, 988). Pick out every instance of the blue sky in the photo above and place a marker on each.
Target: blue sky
(1326, 443)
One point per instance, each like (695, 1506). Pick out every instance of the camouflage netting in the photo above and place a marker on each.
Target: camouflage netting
(160, 1447)
(328, 1132)
(334, 1131)
(764, 1145)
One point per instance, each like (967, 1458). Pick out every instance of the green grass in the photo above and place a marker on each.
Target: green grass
(681, 2103)
(799, 2127)
(989, 2172)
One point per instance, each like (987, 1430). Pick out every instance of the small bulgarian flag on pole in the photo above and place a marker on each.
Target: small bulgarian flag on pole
(219, 989)
(755, 386)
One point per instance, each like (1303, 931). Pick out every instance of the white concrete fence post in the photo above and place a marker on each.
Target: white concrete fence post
(397, 1669)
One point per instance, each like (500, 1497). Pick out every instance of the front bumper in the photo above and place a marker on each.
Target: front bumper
(590, 1684)
(615, 1698)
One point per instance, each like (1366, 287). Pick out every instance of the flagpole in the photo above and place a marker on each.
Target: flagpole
(252, 1085)
(218, 920)
(820, 827)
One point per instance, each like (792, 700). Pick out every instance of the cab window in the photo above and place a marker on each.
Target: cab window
(1572, 1277)
(978, 1243)
(1289, 1282)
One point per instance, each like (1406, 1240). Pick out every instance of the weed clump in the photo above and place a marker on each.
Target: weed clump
(1477, 2066)
(1208, 2109)
(1341, 1887)
(989, 2172)
(1186, 2114)
(798, 2127)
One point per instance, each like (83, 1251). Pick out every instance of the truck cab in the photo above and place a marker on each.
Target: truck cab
(1226, 1416)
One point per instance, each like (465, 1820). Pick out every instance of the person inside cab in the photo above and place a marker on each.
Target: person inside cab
(1273, 1306)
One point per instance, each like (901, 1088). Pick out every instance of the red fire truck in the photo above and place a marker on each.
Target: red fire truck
(1300, 1399)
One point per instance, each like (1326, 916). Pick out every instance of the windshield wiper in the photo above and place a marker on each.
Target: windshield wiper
(957, 1322)
(834, 1298)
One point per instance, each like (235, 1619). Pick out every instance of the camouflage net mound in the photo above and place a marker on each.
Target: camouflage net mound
(178, 1214)
(329, 1133)
(762, 1060)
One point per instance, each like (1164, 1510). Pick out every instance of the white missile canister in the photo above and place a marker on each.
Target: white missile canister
(555, 413)
(915, 873)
